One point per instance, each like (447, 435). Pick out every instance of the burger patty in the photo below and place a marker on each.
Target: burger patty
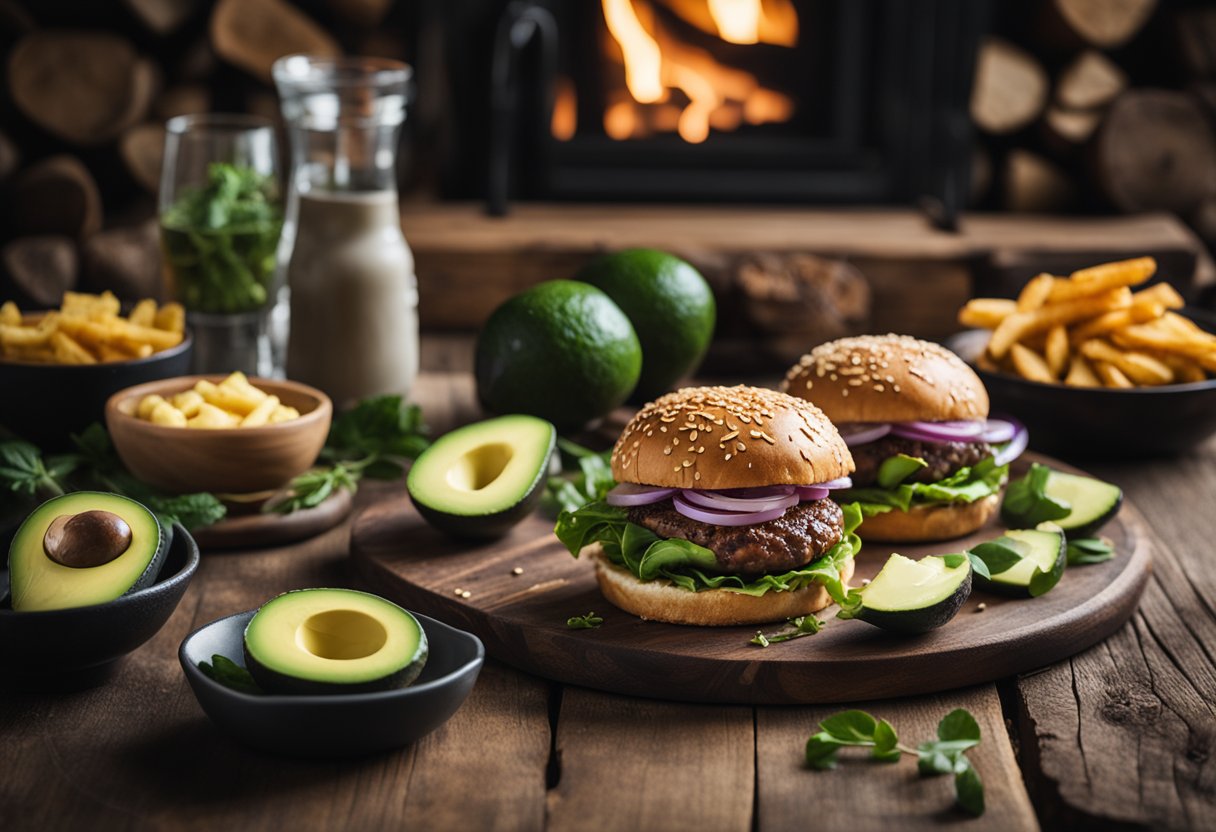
(794, 539)
(944, 458)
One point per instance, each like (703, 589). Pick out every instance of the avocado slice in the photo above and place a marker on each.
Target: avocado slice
(480, 480)
(1043, 557)
(915, 596)
(333, 641)
(1093, 502)
(83, 548)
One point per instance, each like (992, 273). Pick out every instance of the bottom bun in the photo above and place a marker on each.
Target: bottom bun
(927, 523)
(661, 600)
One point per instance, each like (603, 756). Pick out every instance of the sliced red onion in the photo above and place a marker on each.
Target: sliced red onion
(719, 501)
(629, 494)
(757, 492)
(863, 433)
(812, 492)
(997, 431)
(839, 482)
(724, 518)
(1021, 438)
(957, 431)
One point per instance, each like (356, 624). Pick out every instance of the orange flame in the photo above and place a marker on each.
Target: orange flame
(564, 122)
(643, 59)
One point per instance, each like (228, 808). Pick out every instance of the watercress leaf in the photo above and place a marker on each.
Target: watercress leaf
(821, 751)
(999, 555)
(851, 726)
(193, 511)
(885, 741)
(959, 724)
(969, 790)
(1027, 503)
(931, 760)
(590, 621)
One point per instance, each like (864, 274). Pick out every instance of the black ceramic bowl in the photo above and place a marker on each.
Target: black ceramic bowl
(334, 725)
(1100, 422)
(47, 403)
(77, 647)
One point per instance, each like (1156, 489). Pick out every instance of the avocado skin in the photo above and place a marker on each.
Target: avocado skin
(483, 526)
(151, 572)
(912, 622)
(1015, 591)
(272, 681)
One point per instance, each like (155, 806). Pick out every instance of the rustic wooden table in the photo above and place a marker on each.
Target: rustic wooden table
(1118, 737)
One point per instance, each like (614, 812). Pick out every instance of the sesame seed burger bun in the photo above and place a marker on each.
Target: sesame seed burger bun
(729, 437)
(660, 600)
(888, 378)
(923, 524)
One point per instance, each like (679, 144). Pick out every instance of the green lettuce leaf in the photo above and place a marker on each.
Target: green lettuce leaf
(966, 485)
(690, 566)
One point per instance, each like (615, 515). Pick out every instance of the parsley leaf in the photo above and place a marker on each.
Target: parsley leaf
(381, 427)
(23, 470)
(586, 478)
(804, 625)
(590, 621)
(312, 488)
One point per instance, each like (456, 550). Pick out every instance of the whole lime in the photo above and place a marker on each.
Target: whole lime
(670, 305)
(562, 351)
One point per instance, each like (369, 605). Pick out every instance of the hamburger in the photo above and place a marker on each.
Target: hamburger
(930, 464)
(721, 513)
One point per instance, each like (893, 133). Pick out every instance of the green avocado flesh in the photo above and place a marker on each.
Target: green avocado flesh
(333, 641)
(1093, 502)
(38, 583)
(1042, 551)
(915, 596)
(480, 480)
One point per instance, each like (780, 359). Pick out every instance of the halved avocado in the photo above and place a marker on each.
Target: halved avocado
(480, 480)
(333, 641)
(915, 596)
(83, 548)
(1040, 568)
(1093, 502)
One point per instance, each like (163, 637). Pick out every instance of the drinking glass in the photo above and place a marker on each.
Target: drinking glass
(221, 215)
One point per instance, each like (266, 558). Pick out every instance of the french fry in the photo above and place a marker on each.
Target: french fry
(1030, 365)
(1055, 350)
(81, 305)
(1111, 375)
(143, 314)
(985, 362)
(1162, 293)
(986, 313)
(1119, 273)
(25, 336)
(1138, 366)
(1186, 370)
(1020, 325)
(69, 351)
(10, 315)
(1035, 293)
(261, 414)
(159, 339)
(1080, 373)
(1138, 313)
(171, 317)
(1160, 336)
(167, 415)
(42, 354)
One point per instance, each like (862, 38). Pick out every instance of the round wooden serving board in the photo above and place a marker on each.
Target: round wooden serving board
(522, 618)
(257, 530)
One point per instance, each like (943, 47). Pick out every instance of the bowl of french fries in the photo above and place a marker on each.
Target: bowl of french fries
(1097, 362)
(224, 434)
(58, 367)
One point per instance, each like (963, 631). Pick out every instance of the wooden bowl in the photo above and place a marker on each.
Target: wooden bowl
(225, 461)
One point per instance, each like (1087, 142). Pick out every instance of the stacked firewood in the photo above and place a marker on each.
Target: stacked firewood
(84, 96)
(1097, 105)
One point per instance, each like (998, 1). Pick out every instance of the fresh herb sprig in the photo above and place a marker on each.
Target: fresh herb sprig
(23, 470)
(1086, 550)
(1027, 503)
(590, 621)
(803, 625)
(957, 733)
(993, 557)
(586, 477)
(229, 674)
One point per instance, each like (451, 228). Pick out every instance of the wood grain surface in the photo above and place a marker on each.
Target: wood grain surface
(1118, 737)
(521, 618)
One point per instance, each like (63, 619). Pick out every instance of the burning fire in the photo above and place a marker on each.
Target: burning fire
(676, 87)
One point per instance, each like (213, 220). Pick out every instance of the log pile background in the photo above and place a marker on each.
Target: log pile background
(1086, 106)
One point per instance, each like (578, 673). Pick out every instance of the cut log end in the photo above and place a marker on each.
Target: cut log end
(1106, 24)
(125, 261)
(143, 152)
(1010, 88)
(56, 196)
(1034, 185)
(40, 269)
(1092, 80)
(253, 34)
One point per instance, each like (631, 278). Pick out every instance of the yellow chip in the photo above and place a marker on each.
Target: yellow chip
(168, 415)
(171, 317)
(143, 314)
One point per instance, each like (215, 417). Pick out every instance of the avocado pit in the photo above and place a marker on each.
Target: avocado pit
(86, 540)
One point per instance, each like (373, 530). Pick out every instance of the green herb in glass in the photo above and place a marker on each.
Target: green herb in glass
(220, 241)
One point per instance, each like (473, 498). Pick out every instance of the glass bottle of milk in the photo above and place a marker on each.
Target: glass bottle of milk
(350, 273)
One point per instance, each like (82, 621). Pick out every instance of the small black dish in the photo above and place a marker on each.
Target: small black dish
(338, 725)
(62, 399)
(1100, 422)
(79, 647)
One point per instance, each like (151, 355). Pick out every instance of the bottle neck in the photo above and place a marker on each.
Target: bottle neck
(345, 158)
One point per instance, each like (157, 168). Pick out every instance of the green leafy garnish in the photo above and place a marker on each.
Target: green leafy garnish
(312, 488)
(586, 477)
(966, 485)
(804, 625)
(996, 556)
(220, 240)
(896, 469)
(229, 674)
(590, 621)
(1027, 503)
(1086, 550)
(690, 566)
(23, 470)
(957, 733)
